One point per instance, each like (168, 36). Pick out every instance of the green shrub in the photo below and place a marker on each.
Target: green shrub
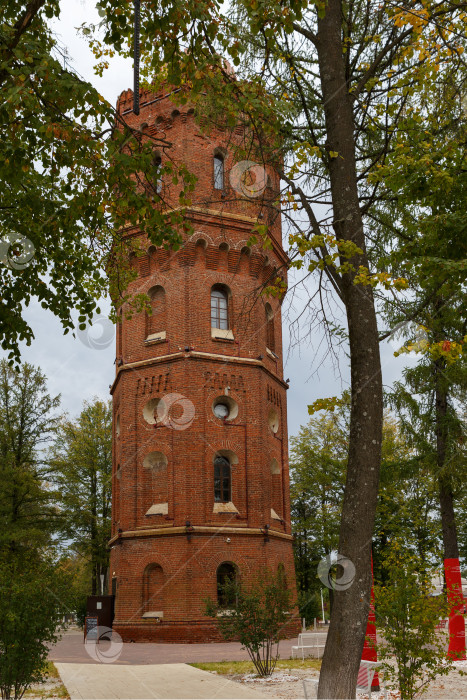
(33, 597)
(257, 616)
(406, 615)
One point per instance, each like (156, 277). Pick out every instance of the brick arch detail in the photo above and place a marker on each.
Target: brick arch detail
(259, 263)
(209, 565)
(226, 445)
(273, 452)
(201, 235)
(220, 278)
(159, 559)
(161, 281)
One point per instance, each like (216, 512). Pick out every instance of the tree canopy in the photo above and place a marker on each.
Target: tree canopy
(72, 182)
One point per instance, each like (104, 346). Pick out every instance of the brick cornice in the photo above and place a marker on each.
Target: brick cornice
(195, 355)
(197, 529)
(218, 217)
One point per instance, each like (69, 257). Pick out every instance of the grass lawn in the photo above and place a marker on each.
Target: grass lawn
(234, 667)
(51, 688)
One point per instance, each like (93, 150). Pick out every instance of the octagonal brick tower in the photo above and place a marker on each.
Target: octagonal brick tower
(200, 465)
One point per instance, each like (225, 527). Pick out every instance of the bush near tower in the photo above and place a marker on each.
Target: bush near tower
(257, 616)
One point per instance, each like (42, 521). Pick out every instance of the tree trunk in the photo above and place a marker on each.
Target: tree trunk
(448, 521)
(346, 636)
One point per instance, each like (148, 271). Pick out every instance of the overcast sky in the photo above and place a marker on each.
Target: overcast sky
(79, 371)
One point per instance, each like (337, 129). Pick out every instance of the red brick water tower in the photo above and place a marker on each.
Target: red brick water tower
(200, 460)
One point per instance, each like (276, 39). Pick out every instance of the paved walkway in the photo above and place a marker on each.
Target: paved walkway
(71, 649)
(118, 682)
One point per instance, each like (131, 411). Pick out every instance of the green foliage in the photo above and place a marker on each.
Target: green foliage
(34, 594)
(398, 63)
(79, 573)
(318, 458)
(28, 419)
(257, 618)
(34, 591)
(73, 177)
(407, 614)
(406, 503)
(81, 464)
(309, 605)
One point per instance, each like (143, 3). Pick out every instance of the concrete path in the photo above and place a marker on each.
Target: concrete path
(71, 649)
(121, 682)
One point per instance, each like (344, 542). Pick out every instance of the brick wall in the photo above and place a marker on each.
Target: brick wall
(167, 537)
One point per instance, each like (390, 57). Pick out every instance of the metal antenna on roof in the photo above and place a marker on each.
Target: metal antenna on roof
(136, 57)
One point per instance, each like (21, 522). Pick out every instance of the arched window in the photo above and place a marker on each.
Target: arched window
(218, 172)
(222, 480)
(219, 308)
(158, 166)
(226, 573)
(156, 321)
(153, 589)
(282, 576)
(270, 340)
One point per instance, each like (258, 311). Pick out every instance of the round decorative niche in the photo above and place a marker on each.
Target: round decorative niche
(150, 411)
(273, 420)
(155, 461)
(275, 468)
(117, 426)
(225, 408)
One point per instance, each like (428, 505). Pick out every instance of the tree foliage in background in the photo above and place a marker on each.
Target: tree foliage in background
(318, 457)
(407, 501)
(423, 223)
(28, 420)
(76, 568)
(34, 590)
(71, 182)
(256, 617)
(81, 462)
(406, 616)
(34, 595)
